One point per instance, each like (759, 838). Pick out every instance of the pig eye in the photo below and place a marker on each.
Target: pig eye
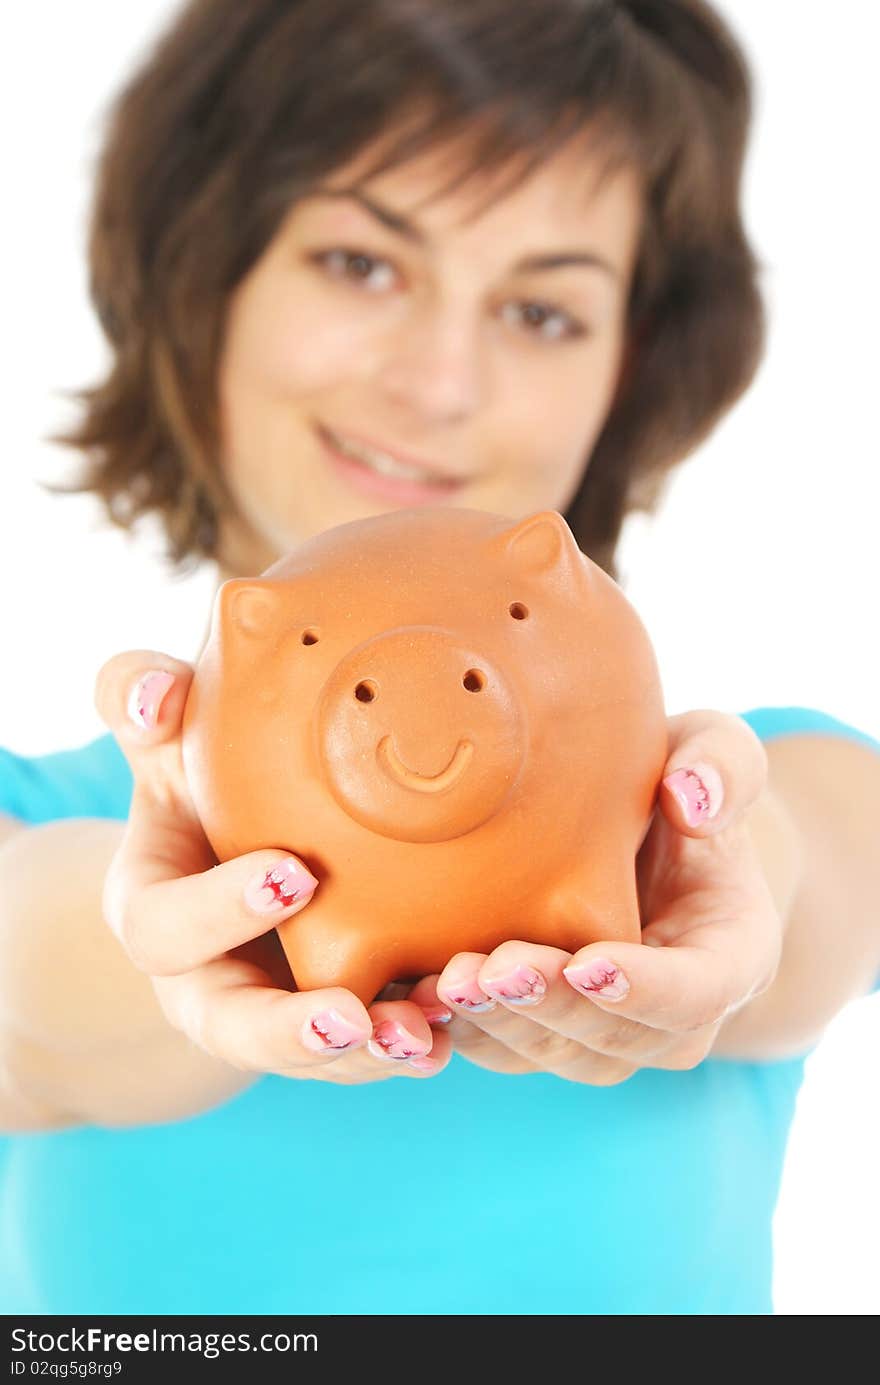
(365, 692)
(474, 680)
(310, 637)
(519, 611)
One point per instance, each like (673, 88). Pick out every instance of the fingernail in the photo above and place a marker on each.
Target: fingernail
(330, 1029)
(146, 697)
(521, 986)
(424, 1064)
(436, 1014)
(278, 888)
(699, 791)
(468, 995)
(598, 977)
(391, 1040)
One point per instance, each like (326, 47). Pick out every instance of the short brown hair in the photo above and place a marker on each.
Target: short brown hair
(241, 108)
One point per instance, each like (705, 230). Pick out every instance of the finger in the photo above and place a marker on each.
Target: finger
(716, 768)
(401, 1030)
(424, 994)
(169, 924)
(140, 695)
(227, 1009)
(536, 1017)
(458, 987)
(528, 979)
(486, 1051)
(679, 988)
(465, 1037)
(531, 978)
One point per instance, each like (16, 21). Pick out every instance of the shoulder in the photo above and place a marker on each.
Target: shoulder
(92, 780)
(824, 764)
(774, 723)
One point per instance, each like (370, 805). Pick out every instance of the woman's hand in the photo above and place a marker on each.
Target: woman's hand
(204, 933)
(713, 931)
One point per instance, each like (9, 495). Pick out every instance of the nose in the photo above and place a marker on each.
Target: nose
(433, 364)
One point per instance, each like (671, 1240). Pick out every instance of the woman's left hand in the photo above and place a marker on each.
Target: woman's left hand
(713, 931)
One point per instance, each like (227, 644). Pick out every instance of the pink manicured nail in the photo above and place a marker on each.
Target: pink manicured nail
(436, 1014)
(146, 697)
(700, 792)
(391, 1040)
(468, 995)
(279, 887)
(598, 977)
(521, 986)
(330, 1029)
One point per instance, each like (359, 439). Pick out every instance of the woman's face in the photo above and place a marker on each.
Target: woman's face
(382, 355)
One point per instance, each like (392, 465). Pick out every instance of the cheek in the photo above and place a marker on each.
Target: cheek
(556, 420)
(290, 343)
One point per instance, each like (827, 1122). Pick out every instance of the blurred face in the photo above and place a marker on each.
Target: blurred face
(382, 355)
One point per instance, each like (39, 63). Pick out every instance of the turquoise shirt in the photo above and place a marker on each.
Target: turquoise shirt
(470, 1192)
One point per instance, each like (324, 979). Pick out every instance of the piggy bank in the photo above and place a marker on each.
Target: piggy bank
(454, 719)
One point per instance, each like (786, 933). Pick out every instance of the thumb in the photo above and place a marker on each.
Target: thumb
(140, 695)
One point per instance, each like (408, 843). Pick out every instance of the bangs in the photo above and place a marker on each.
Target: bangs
(499, 88)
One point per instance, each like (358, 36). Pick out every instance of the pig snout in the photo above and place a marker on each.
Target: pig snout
(420, 737)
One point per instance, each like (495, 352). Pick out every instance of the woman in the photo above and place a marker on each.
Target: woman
(317, 314)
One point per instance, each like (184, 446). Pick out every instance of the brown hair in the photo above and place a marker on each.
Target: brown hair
(241, 108)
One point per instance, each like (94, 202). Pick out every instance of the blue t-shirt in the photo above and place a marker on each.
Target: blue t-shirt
(470, 1192)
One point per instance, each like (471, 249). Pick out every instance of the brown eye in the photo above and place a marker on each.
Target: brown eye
(365, 692)
(474, 680)
(519, 611)
(310, 637)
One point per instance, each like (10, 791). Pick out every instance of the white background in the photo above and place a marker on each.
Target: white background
(758, 582)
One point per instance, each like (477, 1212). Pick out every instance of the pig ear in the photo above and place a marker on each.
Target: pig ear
(248, 607)
(539, 543)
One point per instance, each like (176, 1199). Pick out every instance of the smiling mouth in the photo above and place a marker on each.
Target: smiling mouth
(424, 783)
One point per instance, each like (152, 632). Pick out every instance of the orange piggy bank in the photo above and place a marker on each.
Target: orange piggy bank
(454, 719)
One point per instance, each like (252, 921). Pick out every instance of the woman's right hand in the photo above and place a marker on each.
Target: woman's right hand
(205, 933)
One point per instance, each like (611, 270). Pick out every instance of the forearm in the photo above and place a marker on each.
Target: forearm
(816, 835)
(82, 1036)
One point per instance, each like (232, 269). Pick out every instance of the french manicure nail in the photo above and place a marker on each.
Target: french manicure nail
(279, 888)
(436, 1014)
(521, 986)
(699, 792)
(598, 977)
(468, 995)
(391, 1040)
(146, 697)
(330, 1029)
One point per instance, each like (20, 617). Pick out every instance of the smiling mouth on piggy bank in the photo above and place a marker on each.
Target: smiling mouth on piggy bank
(424, 783)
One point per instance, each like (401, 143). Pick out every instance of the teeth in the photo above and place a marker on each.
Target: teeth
(381, 462)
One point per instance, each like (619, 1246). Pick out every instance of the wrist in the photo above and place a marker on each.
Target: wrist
(754, 1031)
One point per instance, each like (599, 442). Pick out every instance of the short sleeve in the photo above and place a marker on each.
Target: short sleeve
(91, 781)
(769, 723)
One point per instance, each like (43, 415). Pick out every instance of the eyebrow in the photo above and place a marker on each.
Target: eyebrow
(560, 259)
